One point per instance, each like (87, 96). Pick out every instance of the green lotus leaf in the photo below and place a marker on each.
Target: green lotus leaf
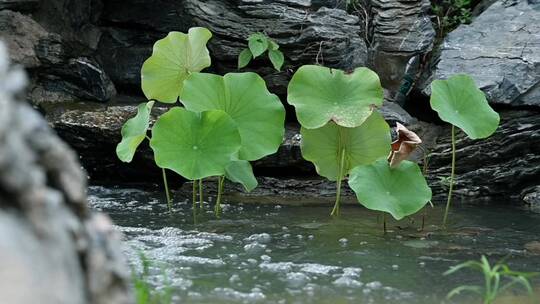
(320, 95)
(195, 145)
(458, 101)
(362, 145)
(240, 171)
(260, 115)
(400, 191)
(134, 132)
(172, 60)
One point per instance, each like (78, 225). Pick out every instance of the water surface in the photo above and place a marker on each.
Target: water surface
(282, 254)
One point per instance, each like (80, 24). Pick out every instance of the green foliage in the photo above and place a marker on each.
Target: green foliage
(450, 14)
(400, 191)
(195, 145)
(459, 102)
(134, 132)
(145, 293)
(321, 94)
(259, 115)
(240, 171)
(173, 59)
(258, 43)
(497, 279)
(360, 145)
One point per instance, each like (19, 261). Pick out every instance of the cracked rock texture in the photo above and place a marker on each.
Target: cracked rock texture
(401, 30)
(501, 50)
(53, 249)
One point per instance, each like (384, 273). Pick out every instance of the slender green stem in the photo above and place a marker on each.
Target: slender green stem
(452, 173)
(335, 211)
(194, 192)
(201, 198)
(169, 202)
(217, 208)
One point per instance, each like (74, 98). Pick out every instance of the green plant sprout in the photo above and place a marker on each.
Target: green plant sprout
(133, 134)
(332, 107)
(497, 279)
(145, 293)
(461, 103)
(258, 43)
(450, 14)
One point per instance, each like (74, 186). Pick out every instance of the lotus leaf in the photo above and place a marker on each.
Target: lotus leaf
(458, 101)
(172, 60)
(362, 145)
(321, 94)
(240, 171)
(400, 191)
(195, 145)
(134, 132)
(260, 115)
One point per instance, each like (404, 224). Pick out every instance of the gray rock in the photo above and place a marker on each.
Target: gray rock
(55, 71)
(51, 244)
(501, 50)
(497, 168)
(19, 5)
(401, 30)
(307, 31)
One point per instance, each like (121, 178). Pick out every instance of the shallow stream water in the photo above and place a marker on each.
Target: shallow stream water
(276, 253)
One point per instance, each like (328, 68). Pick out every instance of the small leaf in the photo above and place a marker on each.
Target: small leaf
(363, 145)
(458, 101)
(195, 145)
(400, 191)
(273, 45)
(277, 59)
(240, 171)
(258, 44)
(173, 59)
(405, 144)
(244, 58)
(134, 132)
(320, 95)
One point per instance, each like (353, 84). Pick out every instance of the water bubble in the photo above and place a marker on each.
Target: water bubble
(296, 279)
(254, 248)
(395, 267)
(265, 258)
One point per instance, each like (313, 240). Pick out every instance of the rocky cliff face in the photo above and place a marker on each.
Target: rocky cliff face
(52, 248)
(95, 51)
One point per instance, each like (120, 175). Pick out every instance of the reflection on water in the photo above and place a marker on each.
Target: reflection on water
(281, 254)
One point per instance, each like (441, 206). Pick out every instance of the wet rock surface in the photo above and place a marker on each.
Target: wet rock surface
(501, 50)
(502, 165)
(307, 32)
(50, 241)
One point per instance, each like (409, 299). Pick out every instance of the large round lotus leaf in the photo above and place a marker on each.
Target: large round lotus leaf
(400, 191)
(172, 60)
(240, 171)
(195, 145)
(134, 132)
(458, 101)
(260, 115)
(321, 95)
(362, 145)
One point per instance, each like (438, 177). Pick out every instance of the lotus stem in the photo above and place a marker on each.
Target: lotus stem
(384, 223)
(194, 193)
(217, 208)
(335, 211)
(201, 198)
(169, 202)
(452, 173)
